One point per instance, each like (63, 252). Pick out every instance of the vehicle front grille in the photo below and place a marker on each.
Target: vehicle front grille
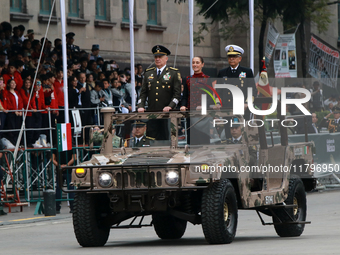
(137, 177)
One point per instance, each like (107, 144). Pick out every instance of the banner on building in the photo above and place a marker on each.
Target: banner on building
(64, 137)
(272, 37)
(285, 57)
(323, 61)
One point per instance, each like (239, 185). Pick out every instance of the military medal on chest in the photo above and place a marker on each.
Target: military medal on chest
(167, 76)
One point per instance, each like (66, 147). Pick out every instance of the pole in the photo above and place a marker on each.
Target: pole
(63, 43)
(191, 32)
(251, 20)
(132, 57)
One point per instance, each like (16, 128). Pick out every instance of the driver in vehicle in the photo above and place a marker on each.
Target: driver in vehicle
(139, 139)
(236, 138)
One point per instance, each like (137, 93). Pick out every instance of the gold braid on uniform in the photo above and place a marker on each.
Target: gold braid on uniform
(331, 126)
(149, 69)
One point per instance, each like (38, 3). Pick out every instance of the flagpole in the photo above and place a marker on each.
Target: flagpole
(191, 32)
(132, 56)
(63, 43)
(251, 21)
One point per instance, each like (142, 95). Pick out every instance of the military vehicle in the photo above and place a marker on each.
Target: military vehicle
(202, 184)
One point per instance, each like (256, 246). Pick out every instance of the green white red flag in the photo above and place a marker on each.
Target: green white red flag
(64, 137)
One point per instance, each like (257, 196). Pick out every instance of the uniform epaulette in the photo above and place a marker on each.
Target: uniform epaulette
(173, 68)
(150, 138)
(149, 69)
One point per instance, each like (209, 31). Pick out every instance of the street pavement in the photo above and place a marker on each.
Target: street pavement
(20, 234)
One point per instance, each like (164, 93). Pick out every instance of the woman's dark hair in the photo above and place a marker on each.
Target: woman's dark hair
(89, 65)
(71, 79)
(201, 58)
(30, 89)
(8, 83)
(88, 75)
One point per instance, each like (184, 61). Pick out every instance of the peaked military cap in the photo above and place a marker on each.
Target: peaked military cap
(336, 109)
(95, 46)
(159, 50)
(139, 123)
(70, 35)
(234, 50)
(236, 122)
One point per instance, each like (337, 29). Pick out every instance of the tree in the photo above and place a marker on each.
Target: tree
(227, 10)
(292, 13)
(300, 12)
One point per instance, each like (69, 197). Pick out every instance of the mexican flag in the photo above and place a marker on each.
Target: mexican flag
(64, 137)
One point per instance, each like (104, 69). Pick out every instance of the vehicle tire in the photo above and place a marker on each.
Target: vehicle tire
(88, 211)
(168, 226)
(219, 212)
(296, 195)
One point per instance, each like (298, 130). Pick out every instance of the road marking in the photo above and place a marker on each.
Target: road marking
(33, 218)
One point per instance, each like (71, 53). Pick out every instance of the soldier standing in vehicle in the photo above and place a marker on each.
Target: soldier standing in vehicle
(161, 88)
(242, 77)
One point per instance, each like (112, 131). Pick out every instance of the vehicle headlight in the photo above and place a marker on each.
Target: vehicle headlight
(105, 180)
(172, 177)
(81, 172)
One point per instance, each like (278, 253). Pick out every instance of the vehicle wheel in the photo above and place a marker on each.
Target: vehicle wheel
(88, 211)
(168, 226)
(296, 196)
(219, 213)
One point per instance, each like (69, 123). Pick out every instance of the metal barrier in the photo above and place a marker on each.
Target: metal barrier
(9, 189)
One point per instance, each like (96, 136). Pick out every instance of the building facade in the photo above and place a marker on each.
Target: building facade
(106, 22)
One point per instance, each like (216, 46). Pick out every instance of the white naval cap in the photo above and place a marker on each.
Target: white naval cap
(234, 50)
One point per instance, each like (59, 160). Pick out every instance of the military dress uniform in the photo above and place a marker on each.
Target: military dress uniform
(145, 141)
(71, 48)
(241, 77)
(333, 125)
(160, 90)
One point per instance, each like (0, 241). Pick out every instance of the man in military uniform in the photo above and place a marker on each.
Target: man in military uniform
(242, 77)
(334, 124)
(239, 76)
(162, 87)
(236, 138)
(139, 139)
(71, 48)
(161, 84)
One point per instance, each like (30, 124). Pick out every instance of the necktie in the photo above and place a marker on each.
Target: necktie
(159, 73)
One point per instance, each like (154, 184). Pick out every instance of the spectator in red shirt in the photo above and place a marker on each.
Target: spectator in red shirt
(50, 101)
(59, 91)
(14, 103)
(12, 75)
(3, 105)
(25, 93)
(39, 100)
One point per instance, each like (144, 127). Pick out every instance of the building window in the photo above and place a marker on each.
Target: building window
(152, 12)
(126, 11)
(16, 5)
(101, 9)
(73, 8)
(45, 6)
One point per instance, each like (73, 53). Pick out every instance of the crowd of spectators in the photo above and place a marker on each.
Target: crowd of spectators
(92, 81)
